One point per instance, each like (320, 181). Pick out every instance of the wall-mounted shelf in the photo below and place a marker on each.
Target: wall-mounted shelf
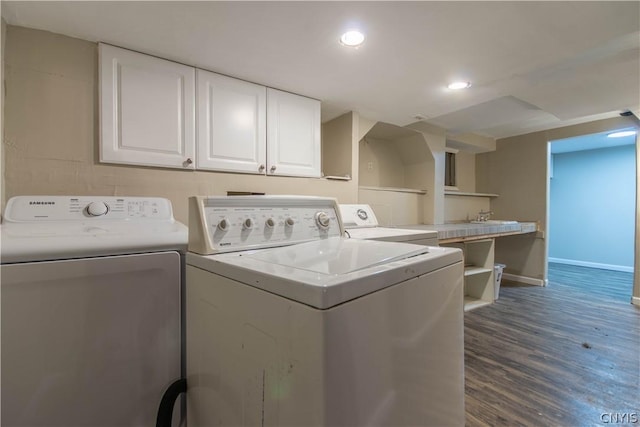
(395, 189)
(337, 177)
(465, 194)
(472, 270)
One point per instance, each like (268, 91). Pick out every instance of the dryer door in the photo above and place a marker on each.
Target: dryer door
(90, 341)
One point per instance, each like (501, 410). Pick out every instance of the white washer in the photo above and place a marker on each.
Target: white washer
(289, 323)
(91, 309)
(361, 223)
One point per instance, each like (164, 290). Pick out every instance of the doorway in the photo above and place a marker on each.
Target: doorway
(592, 207)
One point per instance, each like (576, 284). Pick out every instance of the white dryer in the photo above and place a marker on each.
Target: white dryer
(289, 323)
(361, 223)
(91, 309)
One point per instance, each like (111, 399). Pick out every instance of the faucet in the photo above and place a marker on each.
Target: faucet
(483, 216)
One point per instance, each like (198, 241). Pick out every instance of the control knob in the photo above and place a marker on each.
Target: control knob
(247, 224)
(362, 214)
(97, 208)
(270, 223)
(323, 220)
(223, 225)
(289, 222)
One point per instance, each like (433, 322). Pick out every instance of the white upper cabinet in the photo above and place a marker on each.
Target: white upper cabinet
(147, 110)
(231, 124)
(293, 134)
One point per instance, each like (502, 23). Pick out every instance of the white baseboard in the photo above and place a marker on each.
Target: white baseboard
(523, 279)
(613, 267)
(635, 301)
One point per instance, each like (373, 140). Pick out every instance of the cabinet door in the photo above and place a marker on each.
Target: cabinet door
(231, 124)
(147, 114)
(293, 134)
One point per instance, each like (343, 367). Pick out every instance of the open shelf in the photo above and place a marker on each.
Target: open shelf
(394, 158)
(473, 270)
(467, 194)
(478, 272)
(395, 189)
(471, 303)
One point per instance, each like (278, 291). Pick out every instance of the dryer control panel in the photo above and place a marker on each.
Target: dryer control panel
(87, 208)
(235, 223)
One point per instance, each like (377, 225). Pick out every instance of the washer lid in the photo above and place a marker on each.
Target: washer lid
(329, 272)
(338, 256)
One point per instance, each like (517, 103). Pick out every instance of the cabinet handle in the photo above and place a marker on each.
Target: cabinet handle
(273, 169)
(261, 168)
(188, 161)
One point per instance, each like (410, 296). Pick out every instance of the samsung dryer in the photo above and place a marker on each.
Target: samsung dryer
(290, 323)
(91, 309)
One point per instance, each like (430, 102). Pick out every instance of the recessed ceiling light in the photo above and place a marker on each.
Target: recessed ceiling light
(459, 85)
(621, 133)
(352, 38)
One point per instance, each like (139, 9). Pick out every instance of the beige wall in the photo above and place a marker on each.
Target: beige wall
(51, 129)
(380, 164)
(337, 153)
(433, 202)
(518, 172)
(394, 207)
(464, 208)
(466, 171)
(405, 163)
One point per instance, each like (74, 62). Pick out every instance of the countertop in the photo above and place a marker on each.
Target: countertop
(467, 231)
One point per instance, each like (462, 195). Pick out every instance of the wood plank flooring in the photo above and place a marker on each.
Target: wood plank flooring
(607, 284)
(562, 355)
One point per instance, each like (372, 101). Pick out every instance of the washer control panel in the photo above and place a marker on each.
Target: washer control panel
(355, 216)
(84, 208)
(226, 224)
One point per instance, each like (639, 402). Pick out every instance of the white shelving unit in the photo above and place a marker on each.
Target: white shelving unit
(478, 272)
(467, 194)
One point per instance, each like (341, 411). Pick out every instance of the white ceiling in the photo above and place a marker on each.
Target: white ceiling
(533, 65)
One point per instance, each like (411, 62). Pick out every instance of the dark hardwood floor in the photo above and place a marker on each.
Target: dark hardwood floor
(607, 284)
(563, 355)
